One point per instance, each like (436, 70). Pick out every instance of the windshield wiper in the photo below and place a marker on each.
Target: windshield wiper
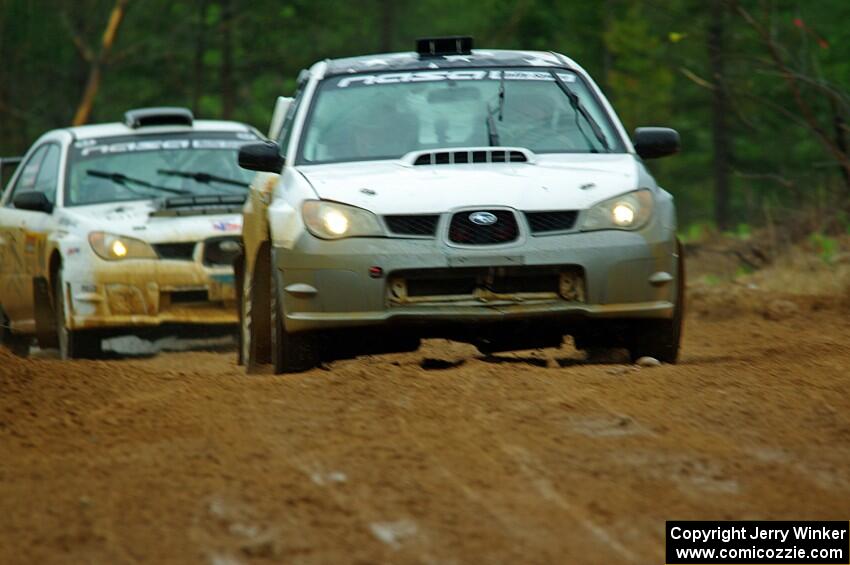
(201, 177)
(492, 132)
(502, 95)
(122, 179)
(579, 108)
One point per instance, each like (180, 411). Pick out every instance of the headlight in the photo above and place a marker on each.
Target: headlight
(626, 212)
(329, 220)
(117, 247)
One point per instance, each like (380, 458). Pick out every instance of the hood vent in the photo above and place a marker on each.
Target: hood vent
(466, 156)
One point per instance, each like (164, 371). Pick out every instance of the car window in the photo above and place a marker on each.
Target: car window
(48, 174)
(148, 167)
(286, 128)
(29, 173)
(386, 115)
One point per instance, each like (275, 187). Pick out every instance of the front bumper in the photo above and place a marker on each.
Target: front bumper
(327, 284)
(145, 293)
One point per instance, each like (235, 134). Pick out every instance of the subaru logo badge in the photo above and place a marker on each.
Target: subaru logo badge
(483, 218)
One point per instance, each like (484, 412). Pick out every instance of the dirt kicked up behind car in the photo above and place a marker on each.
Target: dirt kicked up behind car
(491, 197)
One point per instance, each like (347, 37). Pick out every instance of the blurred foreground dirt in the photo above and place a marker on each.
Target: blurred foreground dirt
(442, 456)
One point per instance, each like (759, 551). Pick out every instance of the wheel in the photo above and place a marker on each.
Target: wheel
(17, 344)
(73, 344)
(661, 338)
(291, 353)
(255, 328)
(239, 282)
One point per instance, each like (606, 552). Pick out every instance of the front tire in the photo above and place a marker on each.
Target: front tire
(256, 313)
(661, 338)
(291, 353)
(73, 344)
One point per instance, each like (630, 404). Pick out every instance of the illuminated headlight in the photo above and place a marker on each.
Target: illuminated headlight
(114, 247)
(330, 220)
(626, 212)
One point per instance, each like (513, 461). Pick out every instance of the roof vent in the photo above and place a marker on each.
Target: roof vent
(467, 156)
(164, 116)
(438, 46)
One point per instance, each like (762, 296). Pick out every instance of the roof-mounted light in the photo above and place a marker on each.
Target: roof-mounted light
(163, 116)
(438, 46)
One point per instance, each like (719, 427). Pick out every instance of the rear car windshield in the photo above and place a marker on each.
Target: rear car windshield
(386, 115)
(116, 169)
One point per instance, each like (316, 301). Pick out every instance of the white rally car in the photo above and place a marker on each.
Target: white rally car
(114, 228)
(486, 196)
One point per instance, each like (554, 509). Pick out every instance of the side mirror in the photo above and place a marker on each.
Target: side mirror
(652, 143)
(264, 157)
(33, 201)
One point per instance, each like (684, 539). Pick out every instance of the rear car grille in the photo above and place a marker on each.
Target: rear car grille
(425, 225)
(189, 296)
(463, 230)
(542, 222)
(183, 251)
(221, 251)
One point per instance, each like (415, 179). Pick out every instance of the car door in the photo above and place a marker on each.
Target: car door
(24, 235)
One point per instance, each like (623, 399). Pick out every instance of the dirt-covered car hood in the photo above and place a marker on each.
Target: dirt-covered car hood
(134, 219)
(551, 182)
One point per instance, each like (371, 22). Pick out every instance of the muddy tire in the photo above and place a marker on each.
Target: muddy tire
(661, 338)
(72, 344)
(239, 283)
(255, 327)
(17, 344)
(291, 353)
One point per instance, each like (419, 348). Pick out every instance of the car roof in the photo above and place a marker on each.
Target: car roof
(118, 129)
(409, 61)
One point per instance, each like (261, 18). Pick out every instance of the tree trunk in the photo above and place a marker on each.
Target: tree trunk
(96, 64)
(200, 50)
(719, 111)
(228, 87)
(840, 127)
(386, 13)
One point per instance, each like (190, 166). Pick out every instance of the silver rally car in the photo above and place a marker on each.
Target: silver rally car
(118, 228)
(485, 196)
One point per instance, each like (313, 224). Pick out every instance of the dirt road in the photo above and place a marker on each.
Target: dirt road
(436, 457)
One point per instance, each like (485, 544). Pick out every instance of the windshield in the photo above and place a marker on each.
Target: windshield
(386, 115)
(116, 169)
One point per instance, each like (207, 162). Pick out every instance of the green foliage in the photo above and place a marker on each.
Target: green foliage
(649, 57)
(826, 247)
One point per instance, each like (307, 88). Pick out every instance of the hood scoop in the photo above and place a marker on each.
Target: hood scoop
(468, 155)
(201, 205)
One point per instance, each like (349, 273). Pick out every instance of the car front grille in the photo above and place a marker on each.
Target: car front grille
(221, 251)
(485, 284)
(503, 230)
(543, 222)
(182, 251)
(422, 225)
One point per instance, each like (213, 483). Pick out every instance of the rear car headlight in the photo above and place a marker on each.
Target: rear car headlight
(628, 211)
(331, 220)
(114, 247)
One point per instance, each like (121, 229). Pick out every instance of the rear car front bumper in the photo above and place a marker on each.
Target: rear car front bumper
(140, 293)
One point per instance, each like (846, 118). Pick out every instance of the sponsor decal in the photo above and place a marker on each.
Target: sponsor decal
(450, 75)
(160, 144)
(227, 226)
(30, 242)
